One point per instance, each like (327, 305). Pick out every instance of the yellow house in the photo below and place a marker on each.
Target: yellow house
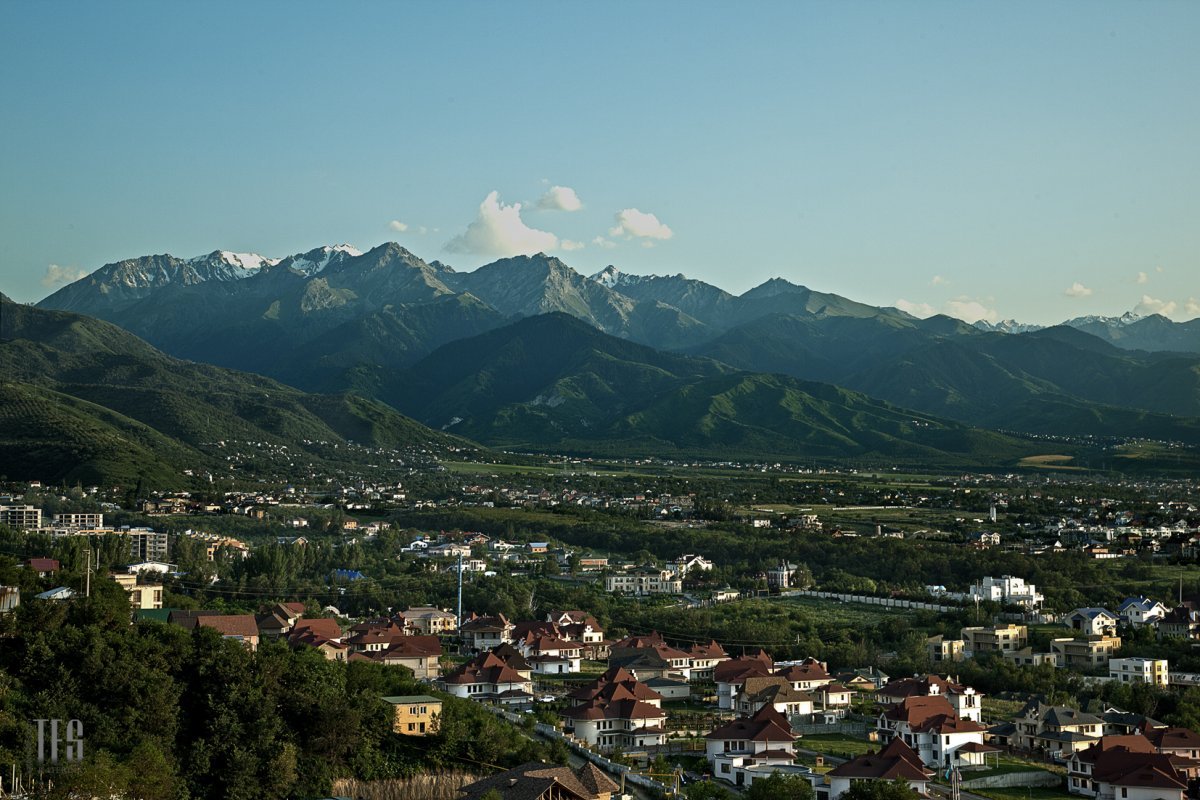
(141, 596)
(416, 714)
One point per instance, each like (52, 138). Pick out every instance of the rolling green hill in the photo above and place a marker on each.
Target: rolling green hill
(91, 389)
(555, 382)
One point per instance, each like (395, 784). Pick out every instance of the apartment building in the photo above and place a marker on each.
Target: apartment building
(996, 638)
(21, 517)
(1090, 652)
(1139, 670)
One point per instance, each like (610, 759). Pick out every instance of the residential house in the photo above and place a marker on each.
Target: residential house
(644, 581)
(764, 739)
(933, 729)
(1181, 621)
(1050, 729)
(939, 648)
(1125, 767)
(1007, 590)
(415, 714)
(484, 633)
(550, 655)
(703, 659)
(272, 625)
(1090, 652)
(44, 567)
(777, 692)
(832, 702)
(419, 653)
(731, 675)
(1092, 621)
(1138, 611)
(895, 762)
(501, 676)
(1139, 670)
(618, 713)
(1179, 742)
(539, 781)
(966, 702)
(864, 679)
(58, 594)
(429, 621)
(779, 577)
(1025, 657)
(994, 638)
(688, 562)
(149, 595)
(580, 626)
(239, 627)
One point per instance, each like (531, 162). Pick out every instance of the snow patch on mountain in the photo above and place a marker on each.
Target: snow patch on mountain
(612, 278)
(315, 261)
(1007, 326)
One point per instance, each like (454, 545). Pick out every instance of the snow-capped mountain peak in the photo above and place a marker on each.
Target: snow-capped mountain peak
(1007, 326)
(315, 261)
(1128, 318)
(612, 278)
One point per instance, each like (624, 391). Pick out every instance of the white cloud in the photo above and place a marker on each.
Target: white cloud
(1077, 289)
(938, 280)
(969, 310)
(569, 245)
(1192, 307)
(639, 224)
(398, 226)
(560, 198)
(1142, 277)
(1152, 305)
(601, 242)
(498, 230)
(61, 276)
(921, 310)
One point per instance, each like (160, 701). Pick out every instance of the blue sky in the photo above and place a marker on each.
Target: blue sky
(1028, 160)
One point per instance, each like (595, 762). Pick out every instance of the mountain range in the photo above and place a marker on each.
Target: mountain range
(385, 322)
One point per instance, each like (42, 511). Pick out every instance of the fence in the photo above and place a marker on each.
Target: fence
(858, 729)
(871, 600)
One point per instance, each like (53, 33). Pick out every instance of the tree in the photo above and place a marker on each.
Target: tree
(707, 790)
(778, 786)
(880, 790)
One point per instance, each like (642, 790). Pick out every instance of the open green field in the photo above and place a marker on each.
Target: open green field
(853, 615)
(836, 744)
(1024, 793)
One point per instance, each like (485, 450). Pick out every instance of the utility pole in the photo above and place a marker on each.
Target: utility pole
(88, 576)
(460, 573)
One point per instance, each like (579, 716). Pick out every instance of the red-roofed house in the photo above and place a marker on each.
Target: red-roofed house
(626, 723)
(967, 703)
(763, 740)
(930, 726)
(493, 678)
(241, 627)
(1125, 768)
(730, 675)
(896, 762)
(44, 567)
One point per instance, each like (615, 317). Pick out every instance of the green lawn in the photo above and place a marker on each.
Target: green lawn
(836, 744)
(1024, 793)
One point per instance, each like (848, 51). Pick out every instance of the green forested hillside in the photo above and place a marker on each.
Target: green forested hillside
(90, 399)
(553, 381)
